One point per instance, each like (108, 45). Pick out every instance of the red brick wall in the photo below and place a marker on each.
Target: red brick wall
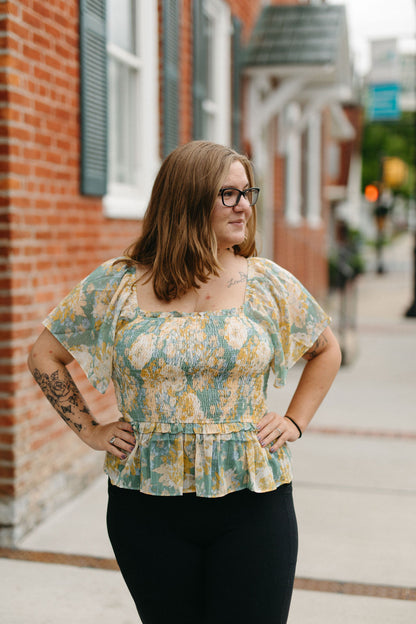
(350, 147)
(51, 236)
(301, 249)
(247, 11)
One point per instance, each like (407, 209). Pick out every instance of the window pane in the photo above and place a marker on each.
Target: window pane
(121, 24)
(123, 123)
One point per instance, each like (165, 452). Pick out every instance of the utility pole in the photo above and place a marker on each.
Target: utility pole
(411, 312)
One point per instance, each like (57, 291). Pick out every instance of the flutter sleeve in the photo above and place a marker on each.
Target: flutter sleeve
(294, 318)
(85, 321)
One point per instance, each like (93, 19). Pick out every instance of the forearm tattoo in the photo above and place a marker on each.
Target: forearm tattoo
(316, 348)
(63, 394)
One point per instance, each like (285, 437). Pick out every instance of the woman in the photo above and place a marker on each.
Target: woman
(188, 325)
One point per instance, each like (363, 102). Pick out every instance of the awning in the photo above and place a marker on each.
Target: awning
(298, 54)
(300, 41)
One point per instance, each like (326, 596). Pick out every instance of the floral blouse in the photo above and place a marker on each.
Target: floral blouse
(192, 385)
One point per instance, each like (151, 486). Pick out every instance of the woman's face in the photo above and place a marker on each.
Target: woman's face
(229, 223)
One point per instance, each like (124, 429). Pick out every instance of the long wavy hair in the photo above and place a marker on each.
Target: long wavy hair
(177, 245)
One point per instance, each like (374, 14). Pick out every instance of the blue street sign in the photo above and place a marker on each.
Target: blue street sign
(383, 102)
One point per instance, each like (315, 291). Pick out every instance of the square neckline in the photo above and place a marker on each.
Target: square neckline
(178, 313)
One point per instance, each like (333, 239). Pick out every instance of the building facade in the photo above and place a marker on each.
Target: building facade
(93, 95)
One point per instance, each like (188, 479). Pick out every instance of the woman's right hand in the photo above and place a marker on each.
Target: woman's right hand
(116, 438)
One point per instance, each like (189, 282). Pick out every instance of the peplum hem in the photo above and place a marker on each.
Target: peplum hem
(208, 459)
(202, 428)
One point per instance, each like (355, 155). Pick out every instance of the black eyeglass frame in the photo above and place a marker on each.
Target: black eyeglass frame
(254, 189)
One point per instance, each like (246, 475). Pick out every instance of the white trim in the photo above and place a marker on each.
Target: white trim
(343, 130)
(253, 122)
(220, 106)
(278, 98)
(223, 62)
(314, 172)
(123, 55)
(267, 200)
(294, 166)
(264, 104)
(149, 125)
(313, 74)
(121, 205)
(335, 192)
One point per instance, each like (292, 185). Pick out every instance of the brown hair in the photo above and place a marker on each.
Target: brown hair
(177, 243)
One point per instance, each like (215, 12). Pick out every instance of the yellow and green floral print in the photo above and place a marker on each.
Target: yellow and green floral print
(193, 385)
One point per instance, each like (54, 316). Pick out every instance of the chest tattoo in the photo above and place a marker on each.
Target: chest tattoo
(240, 280)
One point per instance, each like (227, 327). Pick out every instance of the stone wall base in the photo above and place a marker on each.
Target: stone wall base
(20, 516)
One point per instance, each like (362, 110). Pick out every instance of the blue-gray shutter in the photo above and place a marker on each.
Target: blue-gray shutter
(171, 19)
(237, 53)
(94, 97)
(199, 79)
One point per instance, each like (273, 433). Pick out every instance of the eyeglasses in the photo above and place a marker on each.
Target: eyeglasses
(231, 196)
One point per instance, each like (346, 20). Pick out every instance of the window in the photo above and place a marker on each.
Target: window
(212, 63)
(132, 107)
(124, 74)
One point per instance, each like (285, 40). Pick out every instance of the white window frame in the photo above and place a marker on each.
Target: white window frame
(220, 105)
(125, 201)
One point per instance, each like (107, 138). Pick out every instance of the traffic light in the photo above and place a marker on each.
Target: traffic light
(371, 193)
(395, 172)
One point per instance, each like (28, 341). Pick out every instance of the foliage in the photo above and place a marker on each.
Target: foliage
(389, 138)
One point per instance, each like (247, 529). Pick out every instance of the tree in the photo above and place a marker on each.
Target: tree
(389, 138)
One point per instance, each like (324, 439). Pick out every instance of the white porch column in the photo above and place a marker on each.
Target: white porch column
(293, 164)
(314, 171)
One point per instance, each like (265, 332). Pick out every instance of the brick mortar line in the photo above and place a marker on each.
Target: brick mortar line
(309, 584)
(357, 589)
(79, 561)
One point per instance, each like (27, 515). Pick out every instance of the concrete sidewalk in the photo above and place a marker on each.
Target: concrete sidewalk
(355, 494)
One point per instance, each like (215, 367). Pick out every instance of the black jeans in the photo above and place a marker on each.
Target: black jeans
(190, 560)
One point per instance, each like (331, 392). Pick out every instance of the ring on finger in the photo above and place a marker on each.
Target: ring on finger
(112, 440)
(280, 432)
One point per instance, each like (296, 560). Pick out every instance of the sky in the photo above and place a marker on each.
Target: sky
(378, 19)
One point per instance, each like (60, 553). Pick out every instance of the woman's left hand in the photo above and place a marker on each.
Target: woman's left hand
(276, 430)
